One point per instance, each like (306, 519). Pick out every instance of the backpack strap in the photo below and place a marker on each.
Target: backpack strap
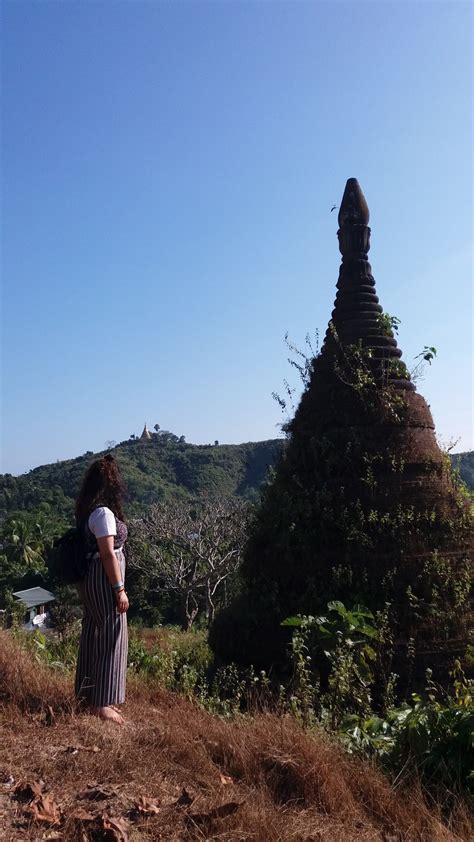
(89, 541)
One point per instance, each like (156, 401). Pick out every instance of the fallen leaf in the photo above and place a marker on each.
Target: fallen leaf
(27, 790)
(146, 807)
(225, 779)
(95, 792)
(184, 800)
(115, 830)
(44, 809)
(75, 749)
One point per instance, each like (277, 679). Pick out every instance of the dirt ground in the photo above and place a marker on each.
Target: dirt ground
(174, 772)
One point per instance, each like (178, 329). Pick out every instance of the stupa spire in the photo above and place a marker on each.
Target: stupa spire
(358, 316)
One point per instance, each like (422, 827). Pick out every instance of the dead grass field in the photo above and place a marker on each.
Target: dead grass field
(174, 772)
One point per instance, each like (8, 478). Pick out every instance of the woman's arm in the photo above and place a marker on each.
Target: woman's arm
(112, 569)
(109, 559)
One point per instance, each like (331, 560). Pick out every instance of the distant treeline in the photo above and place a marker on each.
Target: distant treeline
(154, 470)
(464, 462)
(158, 469)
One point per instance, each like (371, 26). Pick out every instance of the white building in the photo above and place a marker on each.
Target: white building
(35, 601)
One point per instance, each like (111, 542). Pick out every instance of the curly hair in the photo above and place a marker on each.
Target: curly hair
(102, 486)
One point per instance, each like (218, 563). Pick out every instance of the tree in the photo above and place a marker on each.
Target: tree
(192, 548)
(23, 543)
(167, 436)
(25, 539)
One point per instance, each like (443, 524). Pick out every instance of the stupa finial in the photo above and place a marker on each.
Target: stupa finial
(353, 217)
(354, 208)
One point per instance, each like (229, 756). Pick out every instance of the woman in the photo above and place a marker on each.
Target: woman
(102, 660)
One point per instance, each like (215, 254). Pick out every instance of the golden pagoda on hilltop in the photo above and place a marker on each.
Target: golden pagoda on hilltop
(146, 435)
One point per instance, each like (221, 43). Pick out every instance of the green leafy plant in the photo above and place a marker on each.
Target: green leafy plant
(432, 737)
(428, 354)
(345, 638)
(388, 324)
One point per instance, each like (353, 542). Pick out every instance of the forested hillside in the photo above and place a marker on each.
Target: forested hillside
(158, 470)
(154, 470)
(465, 463)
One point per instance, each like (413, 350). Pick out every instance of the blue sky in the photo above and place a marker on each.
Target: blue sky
(168, 173)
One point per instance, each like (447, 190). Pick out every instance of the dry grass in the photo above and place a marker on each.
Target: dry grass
(279, 783)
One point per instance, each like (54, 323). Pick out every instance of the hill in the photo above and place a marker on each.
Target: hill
(465, 463)
(158, 469)
(153, 470)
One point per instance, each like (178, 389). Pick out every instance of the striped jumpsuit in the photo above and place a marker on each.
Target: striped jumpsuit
(103, 648)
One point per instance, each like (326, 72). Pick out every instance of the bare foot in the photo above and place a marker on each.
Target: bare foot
(108, 712)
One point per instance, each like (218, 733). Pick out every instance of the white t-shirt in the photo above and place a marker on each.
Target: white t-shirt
(102, 522)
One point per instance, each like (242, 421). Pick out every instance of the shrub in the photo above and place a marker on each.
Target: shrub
(431, 738)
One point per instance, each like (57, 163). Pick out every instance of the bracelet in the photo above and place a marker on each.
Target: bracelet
(122, 590)
(118, 586)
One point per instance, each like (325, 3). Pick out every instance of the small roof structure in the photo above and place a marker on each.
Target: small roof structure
(146, 433)
(35, 596)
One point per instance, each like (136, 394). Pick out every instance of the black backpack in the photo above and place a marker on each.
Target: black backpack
(72, 554)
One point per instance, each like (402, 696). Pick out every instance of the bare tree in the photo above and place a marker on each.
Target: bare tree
(192, 547)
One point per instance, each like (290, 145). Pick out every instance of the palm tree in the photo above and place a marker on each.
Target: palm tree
(24, 543)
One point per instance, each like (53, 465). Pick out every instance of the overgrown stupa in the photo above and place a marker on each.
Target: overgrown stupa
(363, 506)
